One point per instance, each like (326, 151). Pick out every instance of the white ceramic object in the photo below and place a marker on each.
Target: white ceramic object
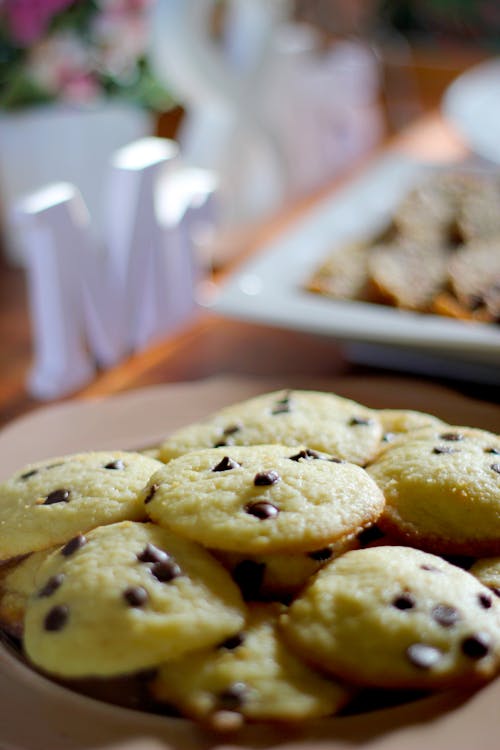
(224, 129)
(55, 143)
(472, 105)
(53, 225)
(272, 113)
(134, 241)
(94, 302)
(269, 288)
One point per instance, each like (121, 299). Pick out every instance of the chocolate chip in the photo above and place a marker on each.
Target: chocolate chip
(57, 496)
(423, 656)
(451, 436)
(445, 615)
(232, 642)
(495, 451)
(28, 474)
(151, 493)
(444, 449)
(321, 554)
(389, 437)
(222, 443)
(360, 421)
(282, 407)
(232, 429)
(249, 576)
(262, 510)
(496, 591)
(234, 696)
(266, 478)
(370, 534)
(151, 554)
(299, 455)
(485, 601)
(136, 596)
(73, 545)
(56, 618)
(313, 454)
(166, 570)
(495, 467)
(404, 601)
(476, 646)
(306, 454)
(226, 464)
(117, 464)
(52, 585)
(430, 568)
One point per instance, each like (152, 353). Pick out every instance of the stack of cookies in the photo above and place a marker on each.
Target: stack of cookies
(440, 252)
(276, 562)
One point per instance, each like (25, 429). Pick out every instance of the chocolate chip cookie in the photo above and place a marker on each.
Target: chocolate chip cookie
(127, 597)
(397, 617)
(46, 503)
(263, 499)
(442, 490)
(252, 676)
(320, 421)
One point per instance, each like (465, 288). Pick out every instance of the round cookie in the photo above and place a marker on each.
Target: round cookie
(442, 490)
(320, 421)
(474, 273)
(487, 570)
(252, 676)
(127, 597)
(18, 580)
(397, 617)
(397, 422)
(47, 503)
(263, 499)
(279, 576)
(427, 213)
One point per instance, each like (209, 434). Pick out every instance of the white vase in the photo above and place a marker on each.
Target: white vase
(61, 143)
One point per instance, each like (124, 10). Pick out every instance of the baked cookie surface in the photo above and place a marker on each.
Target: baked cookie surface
(47, 503)
(396, 422)
(406, 274)
(280, 576)
(442, 490)
(397, 617)
(487, 570)
(253, 675)
(127, 597)
(18, 580)
(263, 498)
(321, 421)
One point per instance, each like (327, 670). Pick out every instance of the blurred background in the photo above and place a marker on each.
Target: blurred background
(264, 104)
(309, 86)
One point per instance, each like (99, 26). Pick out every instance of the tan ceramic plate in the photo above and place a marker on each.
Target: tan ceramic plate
(36, 714)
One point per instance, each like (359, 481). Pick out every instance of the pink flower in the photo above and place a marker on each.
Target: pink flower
(61, 65)
(29, 19)
(125, 6)
(120, 39)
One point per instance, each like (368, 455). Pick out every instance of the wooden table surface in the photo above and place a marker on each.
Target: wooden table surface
(210, 345)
